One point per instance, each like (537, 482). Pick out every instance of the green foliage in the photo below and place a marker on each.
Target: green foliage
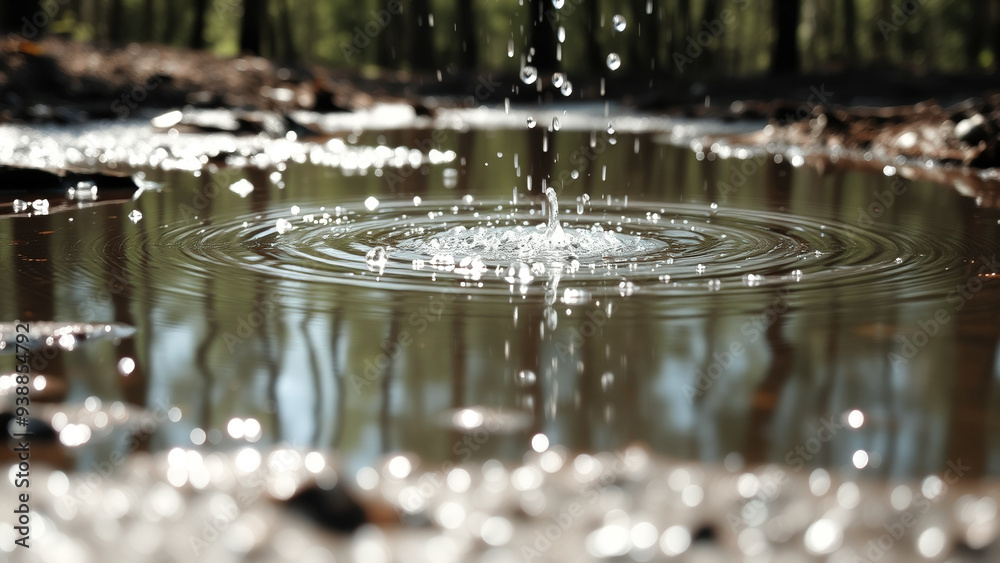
(918, 35)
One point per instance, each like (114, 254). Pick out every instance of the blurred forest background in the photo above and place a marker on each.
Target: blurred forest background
(660, 37)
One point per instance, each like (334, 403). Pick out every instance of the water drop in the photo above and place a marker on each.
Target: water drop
(241, 188)
(614, 61)
(558, 79)
(529, 74)
(611, 129)
(526, 378)
(714, 285)
(377, 258)
(713, 208)
(282, 226)
(899, 260)
(558, 4)
(40, 206)
(700, 268)
(371, 203)
(449, 177)
(135, 216)
(295, 210)
(530, 122)
(21, 205)
(607, 380)
(555, 124)
(567, 88)
(618, 22)
(797, 275)
(510, 49)
(561, 34)
(417, 200)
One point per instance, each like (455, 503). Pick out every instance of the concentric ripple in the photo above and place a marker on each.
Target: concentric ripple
(496, 248)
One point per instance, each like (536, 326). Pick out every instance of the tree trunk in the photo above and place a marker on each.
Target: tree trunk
(422, 47)
(148, 20)
(250, 26)
(709, 20)
(543, 36)
(850, 34)
(994, 35)
(116, 22)
(24, 17)
(390, 42)
(289, 52)
(785, 57)
(198, 29)
(595, 59)
(469, 57)
(682, 30)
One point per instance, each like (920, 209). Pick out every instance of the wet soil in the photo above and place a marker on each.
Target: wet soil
(949, 121)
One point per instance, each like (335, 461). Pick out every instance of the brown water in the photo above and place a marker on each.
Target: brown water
(841, 320)
(885, 309)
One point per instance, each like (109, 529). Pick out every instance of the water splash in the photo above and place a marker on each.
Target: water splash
(554, 230)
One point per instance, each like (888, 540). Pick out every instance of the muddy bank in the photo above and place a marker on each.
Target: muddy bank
(966, 134)
(886, 116)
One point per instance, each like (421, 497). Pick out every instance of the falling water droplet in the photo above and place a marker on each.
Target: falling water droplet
(371, 203)
(135, 216)
(714, 285)
(611, 129)
(558, 79)
(567, 88)
(558, 4)
(377, 258)
(714, 208)
(531, 122)
(561, 34)
(529, 74)
(618, 22)
(526, 378)
(700, 268)
(510, 49)
(614, 61)
(607, 380)
(555, 124)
